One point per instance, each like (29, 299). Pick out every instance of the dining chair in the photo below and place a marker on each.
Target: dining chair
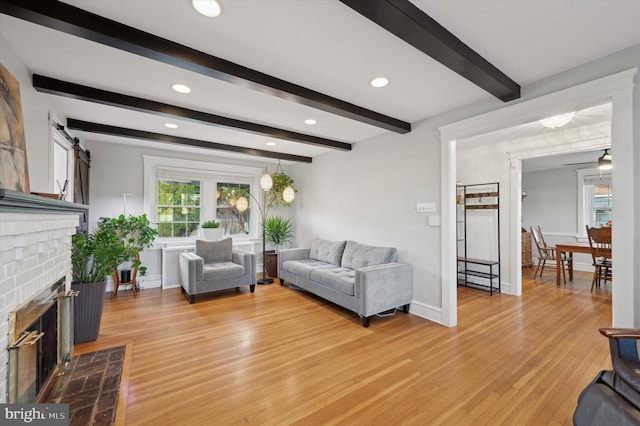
(600, 243)
(546, 253)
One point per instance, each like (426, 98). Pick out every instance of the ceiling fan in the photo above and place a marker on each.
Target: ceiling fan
(603, 162)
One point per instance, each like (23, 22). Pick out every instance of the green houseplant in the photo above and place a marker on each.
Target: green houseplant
(281, 181)
(96, 255)
(210, 230)
(279, 232)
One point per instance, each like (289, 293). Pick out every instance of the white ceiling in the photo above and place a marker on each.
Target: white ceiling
(322, 45)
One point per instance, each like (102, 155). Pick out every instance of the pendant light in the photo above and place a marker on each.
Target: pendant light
(557, 120)
(604, 162)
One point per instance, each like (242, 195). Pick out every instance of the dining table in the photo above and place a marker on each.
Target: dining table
(568, 248)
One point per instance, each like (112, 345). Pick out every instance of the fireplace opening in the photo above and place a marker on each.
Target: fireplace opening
(37, 356)
(39, 343)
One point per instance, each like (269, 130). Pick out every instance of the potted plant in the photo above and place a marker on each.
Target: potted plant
(279, 232)
(136, 233)
(93, 257)
(211, 230)
(96, 255)
(281, 181)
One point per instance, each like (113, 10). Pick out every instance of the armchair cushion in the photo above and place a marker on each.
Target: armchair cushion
(215, 251)
(222, 270)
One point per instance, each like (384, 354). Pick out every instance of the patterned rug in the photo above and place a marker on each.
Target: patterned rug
(90, 386)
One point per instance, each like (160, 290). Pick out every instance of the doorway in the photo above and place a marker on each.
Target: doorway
(491, 126)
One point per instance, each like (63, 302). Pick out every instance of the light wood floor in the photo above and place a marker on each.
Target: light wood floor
(280, 356)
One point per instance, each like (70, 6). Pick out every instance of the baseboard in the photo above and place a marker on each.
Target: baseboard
(423, 310)
(147, 281)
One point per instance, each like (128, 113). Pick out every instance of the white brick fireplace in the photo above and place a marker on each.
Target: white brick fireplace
(35, 252)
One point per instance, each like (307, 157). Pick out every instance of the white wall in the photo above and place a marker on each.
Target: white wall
(552, 200)
(370, 195)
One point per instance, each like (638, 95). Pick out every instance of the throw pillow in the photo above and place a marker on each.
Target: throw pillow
(215, 251)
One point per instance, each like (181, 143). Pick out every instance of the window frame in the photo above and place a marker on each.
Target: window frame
(209, 174)
(584, 202)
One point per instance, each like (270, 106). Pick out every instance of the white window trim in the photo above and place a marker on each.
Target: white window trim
(203, 169)
(57, 137)
(583, 204)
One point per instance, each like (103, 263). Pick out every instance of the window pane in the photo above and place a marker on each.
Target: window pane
(178, 208)
(601, 197)
(233, 221)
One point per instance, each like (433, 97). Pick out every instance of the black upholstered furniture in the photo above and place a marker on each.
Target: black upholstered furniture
(613, 397)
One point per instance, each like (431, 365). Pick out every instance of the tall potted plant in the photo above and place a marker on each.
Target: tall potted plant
(279, 232)
(96, 255)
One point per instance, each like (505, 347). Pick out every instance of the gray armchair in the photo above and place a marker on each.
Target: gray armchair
(216, 266)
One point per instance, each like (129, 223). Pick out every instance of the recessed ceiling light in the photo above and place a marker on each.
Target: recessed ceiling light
(310, 121)
(379, 82)
(208, 8)
(181, 88)
(272, 143)
(171, 125)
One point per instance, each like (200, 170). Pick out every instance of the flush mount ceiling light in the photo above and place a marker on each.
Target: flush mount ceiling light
(208, 8)
(181, 88)
(310, 121)
(604, 162)
(171, 125)
(379, 82)
(271, 144)
(558, 120)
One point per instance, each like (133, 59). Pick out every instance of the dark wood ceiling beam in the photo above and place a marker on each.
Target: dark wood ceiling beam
(78, 22)
(405, 20)
(90, 94)
(86, 126)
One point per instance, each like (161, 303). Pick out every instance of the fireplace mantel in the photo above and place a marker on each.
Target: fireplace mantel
(13, 201)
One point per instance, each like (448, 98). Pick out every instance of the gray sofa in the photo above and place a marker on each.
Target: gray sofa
(216, 266)
(364, 279)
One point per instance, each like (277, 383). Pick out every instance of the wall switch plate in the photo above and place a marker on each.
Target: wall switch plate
(426, 207)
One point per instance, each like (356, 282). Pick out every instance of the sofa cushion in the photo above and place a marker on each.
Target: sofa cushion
(303, 268)
(341, 279)
(215, 251)
(222, 270)
(327, 251)
(358, 255)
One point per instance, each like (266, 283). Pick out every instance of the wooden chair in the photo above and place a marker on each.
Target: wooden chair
(546, 253)
(600, 242)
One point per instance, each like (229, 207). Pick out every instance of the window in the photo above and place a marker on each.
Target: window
(178, 212)
(233, 221)
(595, 195)
(61, 162)
(598, 196)
(182, 194)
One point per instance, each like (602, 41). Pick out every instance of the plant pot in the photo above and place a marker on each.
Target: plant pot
(271, 263)
(125, 276)
(87, 311)
(212, 234)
